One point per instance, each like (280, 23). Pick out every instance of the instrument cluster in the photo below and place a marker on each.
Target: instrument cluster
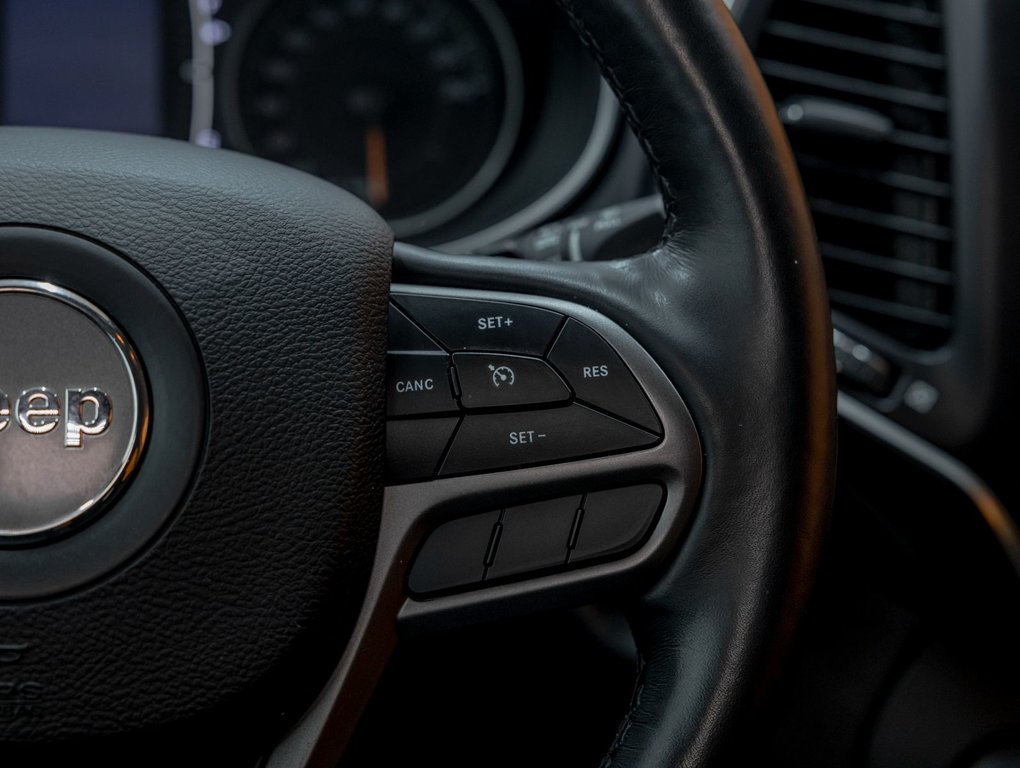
(460, 121)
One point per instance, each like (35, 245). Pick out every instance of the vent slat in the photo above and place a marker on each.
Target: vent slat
(891, 309)
(892, 179)
(888, 11)
(889, 221)
(800, 75)
(889, 266)
(921, 142)
(852, 44)
(882, 203)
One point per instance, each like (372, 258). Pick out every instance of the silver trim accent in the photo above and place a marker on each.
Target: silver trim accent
(737, 7)
(35, 419)
(140, 398)
(607, 120)
(75, 428)
(203, 67)
(903, 440)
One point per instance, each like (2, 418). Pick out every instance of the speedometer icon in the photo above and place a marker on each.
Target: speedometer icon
(503, 376)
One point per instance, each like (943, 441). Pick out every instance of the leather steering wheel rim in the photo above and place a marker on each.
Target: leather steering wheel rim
(217, 586)
(732, 305)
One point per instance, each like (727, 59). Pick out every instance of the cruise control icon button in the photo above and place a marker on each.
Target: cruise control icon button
(506, 381)
(509, 440)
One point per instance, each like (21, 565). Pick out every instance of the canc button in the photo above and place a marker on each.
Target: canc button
(418, 383)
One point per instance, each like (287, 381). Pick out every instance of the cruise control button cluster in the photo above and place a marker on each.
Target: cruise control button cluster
(523, 386)
(549, 535)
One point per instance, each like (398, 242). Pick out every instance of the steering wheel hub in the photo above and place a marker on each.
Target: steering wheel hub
(212, 498)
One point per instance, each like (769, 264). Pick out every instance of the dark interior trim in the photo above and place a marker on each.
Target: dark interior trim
(973, 487)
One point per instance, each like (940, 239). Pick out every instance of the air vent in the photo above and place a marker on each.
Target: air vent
(861, 85)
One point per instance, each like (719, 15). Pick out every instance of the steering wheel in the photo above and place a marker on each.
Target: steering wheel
(198, 517)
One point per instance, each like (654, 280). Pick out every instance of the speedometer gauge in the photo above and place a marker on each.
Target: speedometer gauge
(413, 105)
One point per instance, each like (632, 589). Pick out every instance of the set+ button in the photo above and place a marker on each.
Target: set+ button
(462, 324)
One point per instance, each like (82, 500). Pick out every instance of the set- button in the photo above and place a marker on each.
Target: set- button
(491, 441)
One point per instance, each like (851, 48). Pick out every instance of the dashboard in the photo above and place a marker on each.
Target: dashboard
(484, 91)
(483, 126)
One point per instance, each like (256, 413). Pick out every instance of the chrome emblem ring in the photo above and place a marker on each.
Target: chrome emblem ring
(74, 409)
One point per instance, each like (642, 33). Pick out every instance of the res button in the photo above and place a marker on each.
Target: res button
(483, 325)
(599, 377)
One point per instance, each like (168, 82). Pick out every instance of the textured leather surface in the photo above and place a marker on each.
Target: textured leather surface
(246, 599)
(732, 305)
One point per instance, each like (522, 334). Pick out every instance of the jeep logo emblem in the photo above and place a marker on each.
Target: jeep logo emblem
(64, 447)
(89, 412)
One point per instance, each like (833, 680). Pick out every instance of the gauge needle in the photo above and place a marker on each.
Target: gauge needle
(376, 171)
